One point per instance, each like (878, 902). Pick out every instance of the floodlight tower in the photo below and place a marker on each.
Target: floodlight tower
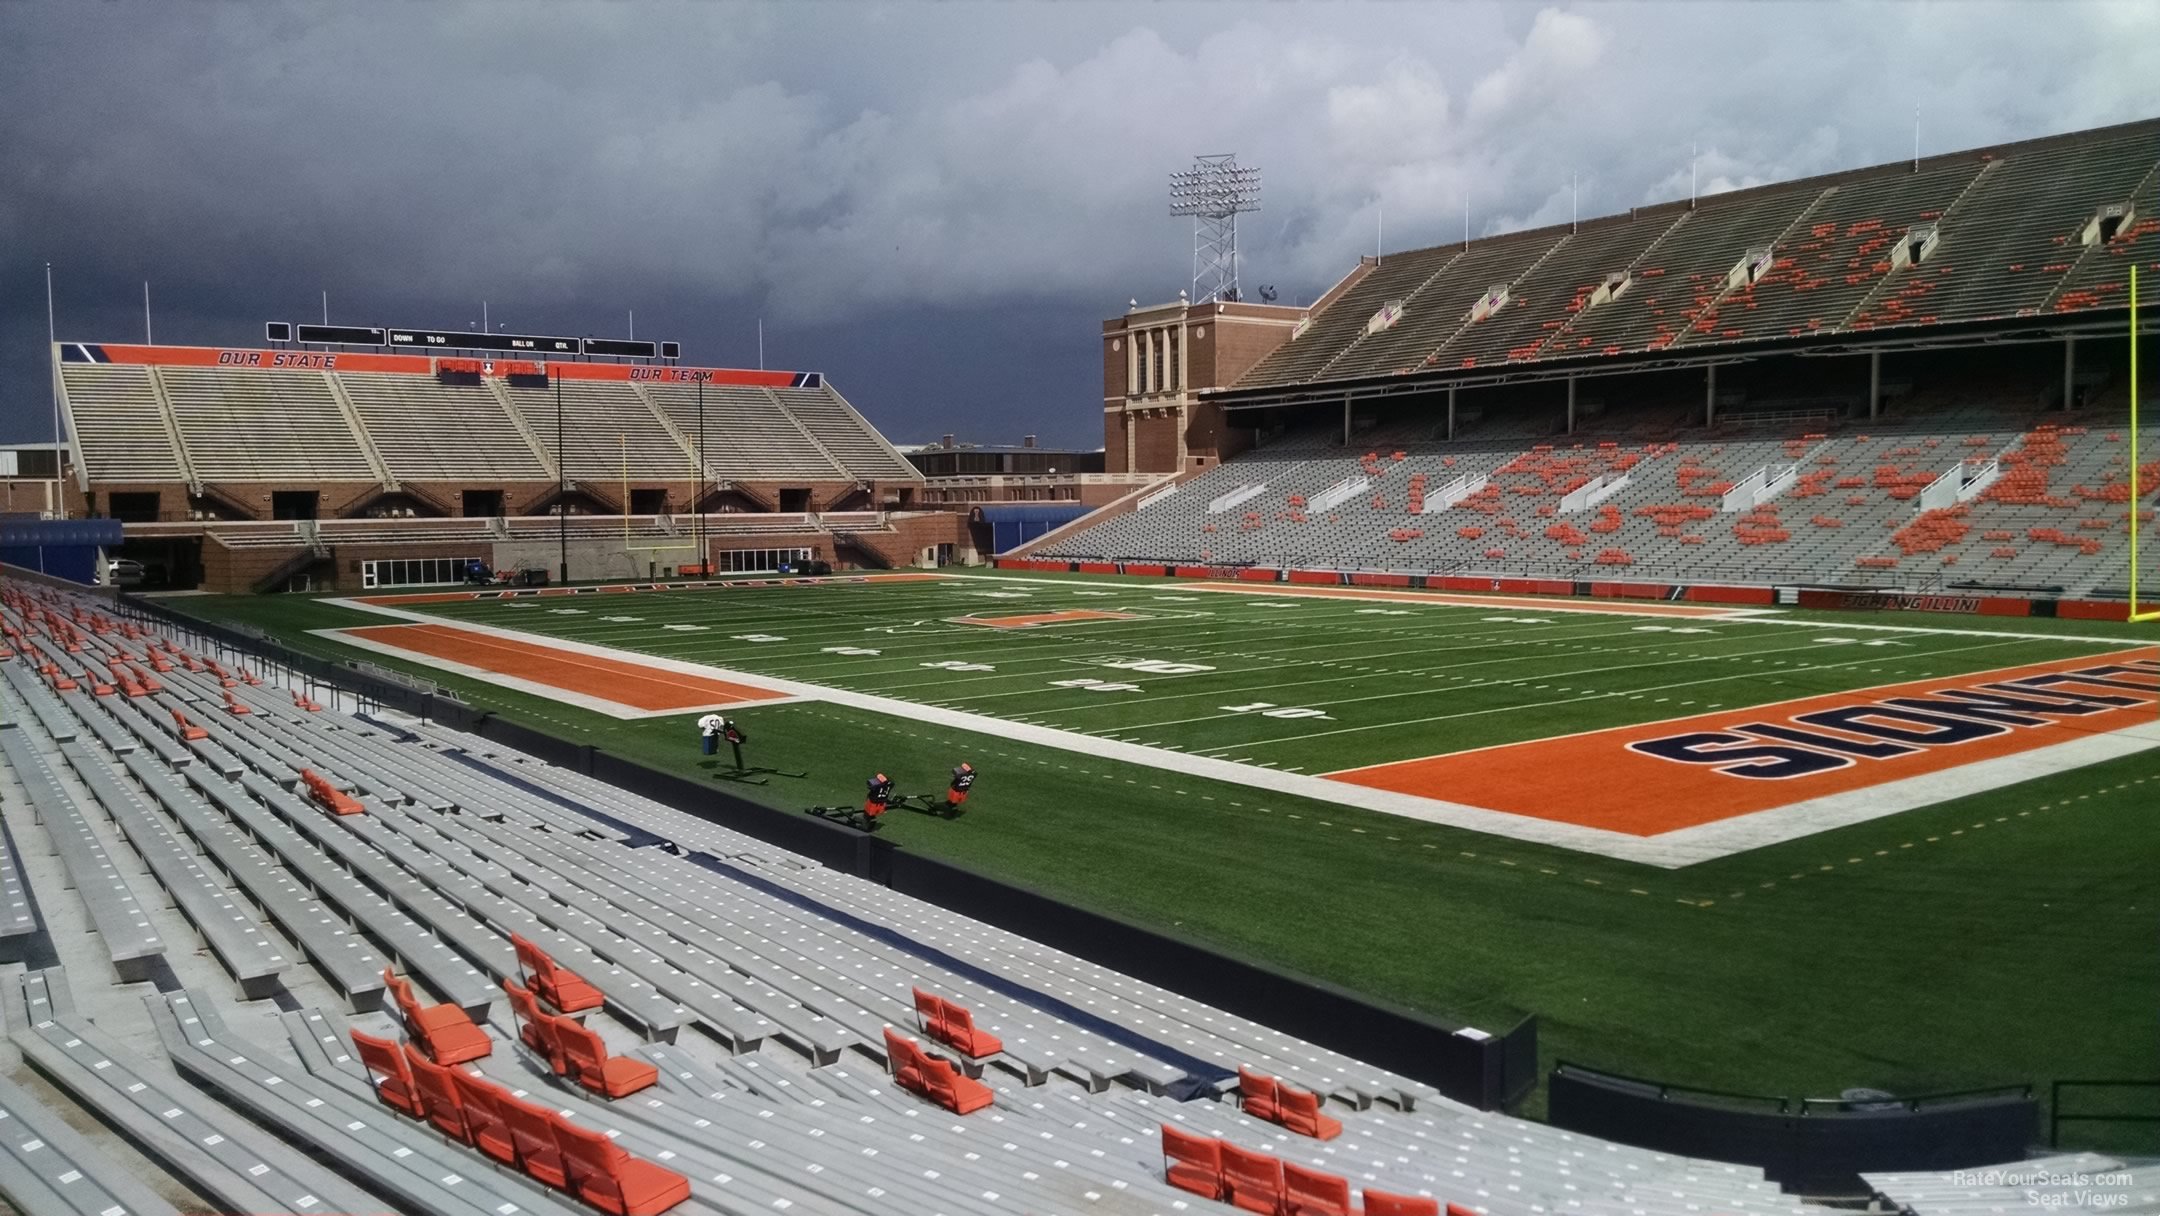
(1214, 192)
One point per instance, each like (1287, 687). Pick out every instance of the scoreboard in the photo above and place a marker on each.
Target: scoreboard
(454, 339)
(450, 339)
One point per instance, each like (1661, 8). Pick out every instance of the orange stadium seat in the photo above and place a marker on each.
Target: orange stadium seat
(1387, 1203)
(557, 986)
(446, 1031)
(387, 1070)
(1193, 1163)
(1254, 1180)
(485, 1124)
(588, 1060)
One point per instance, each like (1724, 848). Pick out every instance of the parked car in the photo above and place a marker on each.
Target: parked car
(124, 572)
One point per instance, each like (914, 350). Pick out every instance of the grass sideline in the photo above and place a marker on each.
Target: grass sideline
(1999, 937)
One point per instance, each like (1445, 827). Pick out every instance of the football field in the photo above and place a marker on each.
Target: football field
(1662, 733)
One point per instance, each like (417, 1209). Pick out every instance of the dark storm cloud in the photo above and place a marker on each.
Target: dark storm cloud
(934, 203)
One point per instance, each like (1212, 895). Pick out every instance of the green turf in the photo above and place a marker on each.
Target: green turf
(2000, 937)
(1299, 684)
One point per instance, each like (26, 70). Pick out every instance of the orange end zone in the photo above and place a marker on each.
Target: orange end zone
(1461, 600)
(1659, 777)
(460, 597)
(1029, 620)
(635, 685)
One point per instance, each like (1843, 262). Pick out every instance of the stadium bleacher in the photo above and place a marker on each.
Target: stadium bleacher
(1844, 507)
(201, 417)
(407, 415)
(769, 1034)
(2017, 233)
(120, 424)
(263, 426)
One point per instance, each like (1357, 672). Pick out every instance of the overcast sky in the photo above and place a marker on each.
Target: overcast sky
(935, 204)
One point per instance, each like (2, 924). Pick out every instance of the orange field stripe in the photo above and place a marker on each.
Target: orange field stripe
(633, 684)
(1455, 599)
(1595, 780)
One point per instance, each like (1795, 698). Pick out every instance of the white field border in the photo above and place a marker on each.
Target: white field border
(1670, 850)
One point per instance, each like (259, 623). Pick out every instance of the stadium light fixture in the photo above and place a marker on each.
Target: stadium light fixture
(1214, 192)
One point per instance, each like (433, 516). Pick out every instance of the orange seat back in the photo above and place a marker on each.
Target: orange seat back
(535, 1029)
(386, 1069)
(1300, 1112)
(408, 1004)
(929, 1013)
(1384, 1203)
(900, 1054)
(1258, 1095)
(444, 1109)
(603, 1174)
(485, 1126)
(1255, 1180)
(528, 955)
(533, 1130)
(589, 1158)
(582, 1050)
(1309, 1192)
(1192, 1163)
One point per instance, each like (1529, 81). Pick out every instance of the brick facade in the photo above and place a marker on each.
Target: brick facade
(1156, 363)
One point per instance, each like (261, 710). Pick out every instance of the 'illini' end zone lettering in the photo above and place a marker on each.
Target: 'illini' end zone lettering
(1823, 740)
(1659, 777)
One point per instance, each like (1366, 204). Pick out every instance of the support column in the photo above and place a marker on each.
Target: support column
(2069, 370)
(1451, 412)
(1709, 404)
(1874, 385)
(1571, 405)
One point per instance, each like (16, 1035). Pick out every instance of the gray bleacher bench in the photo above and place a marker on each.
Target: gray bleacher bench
(47, 1167)
(371, 775)
(732, 1004)
(155, 735)
(231, 1162)
(19, 924)
(633, 981)
(131, 941)
(455, 940)
(116, 738)
(343, 955)
(39, 698)
(922, 1158)
(411, 943)
(249, 952)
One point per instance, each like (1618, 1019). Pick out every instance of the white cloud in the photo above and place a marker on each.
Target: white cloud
(1550, 69)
